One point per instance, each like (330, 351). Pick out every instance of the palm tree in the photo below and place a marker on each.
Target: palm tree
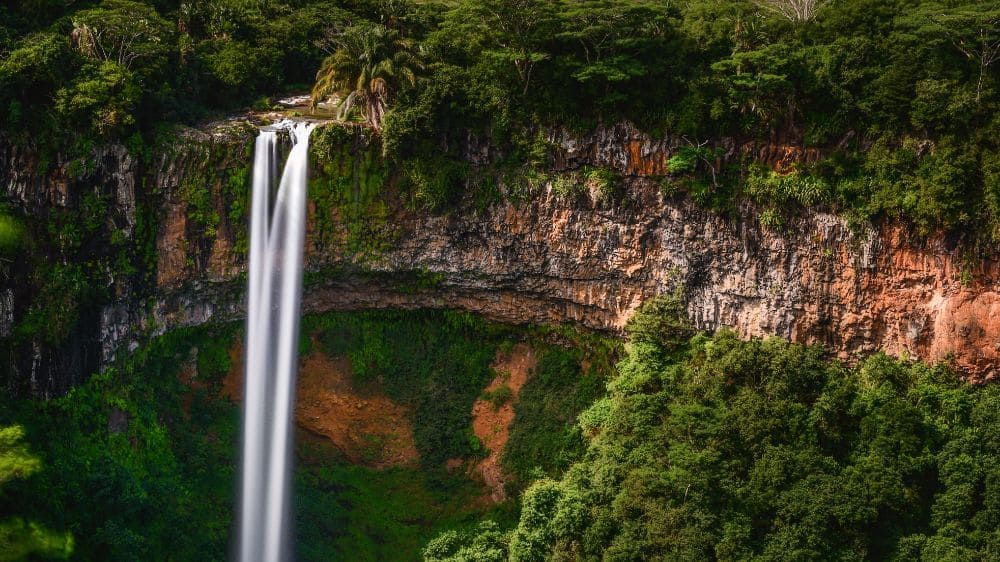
(370, 64)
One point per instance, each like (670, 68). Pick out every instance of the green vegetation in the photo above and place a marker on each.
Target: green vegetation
(140, 460)
(498, 397)
(718, 448)
(11, 231)
(435, 363)
(546, 438)
(136, 463)
(701, 447)
(900, 97)
(371, 62)
(19, 538)
(349, 512)
(66, 269)
(348, 179)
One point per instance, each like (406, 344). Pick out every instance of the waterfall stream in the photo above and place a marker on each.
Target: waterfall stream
(274, 295)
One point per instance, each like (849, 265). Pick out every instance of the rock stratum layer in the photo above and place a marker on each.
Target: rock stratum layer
(577, 258)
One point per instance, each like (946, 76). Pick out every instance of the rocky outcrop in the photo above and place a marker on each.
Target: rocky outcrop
(584, 259)
(557, 260)
(49, 192)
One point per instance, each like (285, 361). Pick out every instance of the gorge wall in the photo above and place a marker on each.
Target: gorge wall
(577, 257)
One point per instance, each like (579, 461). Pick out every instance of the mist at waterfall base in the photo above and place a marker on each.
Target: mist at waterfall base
(274, 293)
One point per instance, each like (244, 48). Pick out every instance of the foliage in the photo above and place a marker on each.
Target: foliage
(20, 539)
(498, 396)
(972, 28)
(763, 450)
(485, 544)
(765, 185)
(371, 63)
(350, 512)
(661, 321)
(349, 180)
(15, 460)
(603, 183)
(857, 80)
(434, 182)
(102, 99)
(546, 439)
(11, 232)
(434, 363)
(128, 33)
(139, 461)
(55, 311)
(30, 73)
(151, 457)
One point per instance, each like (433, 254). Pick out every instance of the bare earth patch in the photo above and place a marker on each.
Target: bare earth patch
(370, 430)
(492, 426)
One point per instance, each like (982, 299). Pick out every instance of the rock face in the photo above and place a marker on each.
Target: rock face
(48, 194)
(586, 259)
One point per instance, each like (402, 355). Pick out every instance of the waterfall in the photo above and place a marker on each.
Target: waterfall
(274, 295)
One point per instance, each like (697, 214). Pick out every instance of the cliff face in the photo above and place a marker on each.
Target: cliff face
(580, 257)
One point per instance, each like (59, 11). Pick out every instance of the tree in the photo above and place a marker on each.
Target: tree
(19, 538)
(371, 63)
(793, 10)
(661, 321)
(765, 450)
(759, 87)
(104, 97)
(512, 31)
(30, 74)
(973, 29)
(485, 544)
(612, 34)
(125, 32)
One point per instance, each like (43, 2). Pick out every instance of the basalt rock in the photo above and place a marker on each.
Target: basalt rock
(578, 257)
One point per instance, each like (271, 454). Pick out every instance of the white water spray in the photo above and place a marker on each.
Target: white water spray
(274, 295)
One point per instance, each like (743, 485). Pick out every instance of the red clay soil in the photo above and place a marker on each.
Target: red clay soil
(370, 429)
(492, 426)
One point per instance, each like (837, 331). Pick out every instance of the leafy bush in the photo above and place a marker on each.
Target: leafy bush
(11, 233)
(498, 397)
(603, 183)
(435, 182)
(854, 78)
(135, 462)
(661, 321)
(687, 158)
(55, 311)
(767, 186)
(102, 99)
(19, 538)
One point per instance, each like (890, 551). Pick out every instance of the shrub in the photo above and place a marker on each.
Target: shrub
(498, 396)
(661, 321)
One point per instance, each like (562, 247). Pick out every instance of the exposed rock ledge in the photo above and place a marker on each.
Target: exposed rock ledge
(558, 259)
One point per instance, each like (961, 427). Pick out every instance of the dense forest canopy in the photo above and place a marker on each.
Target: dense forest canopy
(722, 449)
(902, 93)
